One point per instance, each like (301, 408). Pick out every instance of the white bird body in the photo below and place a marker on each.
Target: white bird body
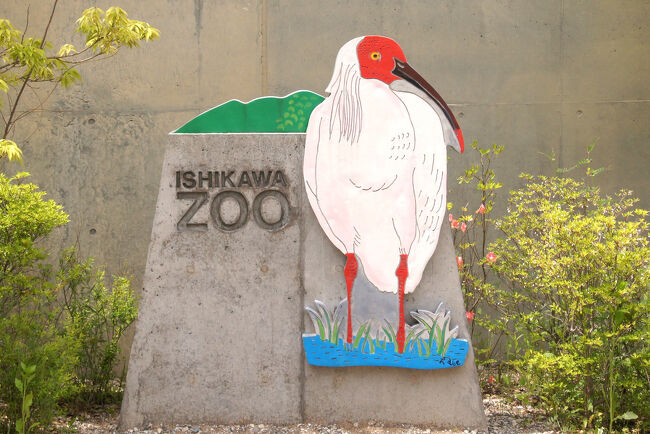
(375, 173)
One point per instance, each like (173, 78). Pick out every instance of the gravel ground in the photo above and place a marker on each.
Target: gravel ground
(502, 418)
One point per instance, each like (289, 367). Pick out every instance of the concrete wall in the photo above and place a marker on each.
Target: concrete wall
(533, 76)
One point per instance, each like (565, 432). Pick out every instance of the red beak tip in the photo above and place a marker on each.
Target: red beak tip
(461, 142)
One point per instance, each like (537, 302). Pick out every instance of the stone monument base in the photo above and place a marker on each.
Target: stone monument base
(219, 335)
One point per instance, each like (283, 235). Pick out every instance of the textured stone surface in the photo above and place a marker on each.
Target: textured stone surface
(218, 338)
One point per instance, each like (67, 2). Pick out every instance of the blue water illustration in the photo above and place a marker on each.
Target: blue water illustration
(324, 353)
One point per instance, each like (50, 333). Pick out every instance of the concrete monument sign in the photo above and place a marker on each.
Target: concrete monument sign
(236, 254)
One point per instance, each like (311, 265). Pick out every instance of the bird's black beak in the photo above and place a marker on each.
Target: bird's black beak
(404, 70)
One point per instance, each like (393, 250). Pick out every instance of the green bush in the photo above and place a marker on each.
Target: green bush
(98, 317)
(470, 231)
(67, 324)
(71, 345)
(28, 310)
(576, 270)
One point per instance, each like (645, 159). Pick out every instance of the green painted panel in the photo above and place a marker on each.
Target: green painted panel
(271, 114)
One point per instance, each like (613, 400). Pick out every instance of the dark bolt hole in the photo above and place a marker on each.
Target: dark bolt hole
(93, 231)
(91, 121)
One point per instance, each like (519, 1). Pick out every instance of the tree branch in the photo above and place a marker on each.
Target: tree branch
(22, 38)
(10, 121)
(47, 28)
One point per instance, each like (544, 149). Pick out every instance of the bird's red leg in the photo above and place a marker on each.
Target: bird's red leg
(401, 273)
(350, 272)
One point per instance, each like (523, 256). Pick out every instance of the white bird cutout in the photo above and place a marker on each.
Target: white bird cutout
(375, 167)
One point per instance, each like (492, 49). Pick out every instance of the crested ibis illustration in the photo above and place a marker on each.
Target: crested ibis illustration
(375, 167)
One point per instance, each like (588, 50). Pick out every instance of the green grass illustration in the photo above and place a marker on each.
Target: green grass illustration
(431, 335)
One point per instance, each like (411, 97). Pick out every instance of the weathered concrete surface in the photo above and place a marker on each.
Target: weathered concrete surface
(218, 338)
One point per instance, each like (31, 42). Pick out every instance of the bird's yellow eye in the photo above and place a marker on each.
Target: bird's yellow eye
(375, 55)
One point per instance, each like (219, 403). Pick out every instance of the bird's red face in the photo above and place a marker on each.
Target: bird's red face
(377, 56)
(382, 58)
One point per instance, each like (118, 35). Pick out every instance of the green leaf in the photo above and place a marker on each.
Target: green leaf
(443, 344)
(359, 335)
(27, 402)
(366, 338)
(334, 336)
(19, 384)
(66, 49)
(388, 334)
(317, 320)
(619, 316)
(628, 415)
(324, 313)
(409, 337)
(10, 150)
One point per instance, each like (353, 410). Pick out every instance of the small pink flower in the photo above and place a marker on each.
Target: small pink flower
(481, 209)
(491, 257)
(491, 379)
(459, 261)
(455, 224)
(451, 218)
(463, 227)
(470, 316)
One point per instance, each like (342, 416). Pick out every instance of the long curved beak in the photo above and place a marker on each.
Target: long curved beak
(404, 70)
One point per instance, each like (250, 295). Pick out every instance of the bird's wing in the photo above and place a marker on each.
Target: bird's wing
(429, 183)
(450, 135)
(310, 167)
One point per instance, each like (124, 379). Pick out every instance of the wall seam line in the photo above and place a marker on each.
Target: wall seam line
(264, 42)
(560, 158)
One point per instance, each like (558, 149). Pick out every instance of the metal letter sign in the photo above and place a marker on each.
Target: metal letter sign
(269, 180)
(375, 171)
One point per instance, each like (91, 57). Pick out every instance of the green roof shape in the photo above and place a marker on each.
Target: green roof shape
(271, 114)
